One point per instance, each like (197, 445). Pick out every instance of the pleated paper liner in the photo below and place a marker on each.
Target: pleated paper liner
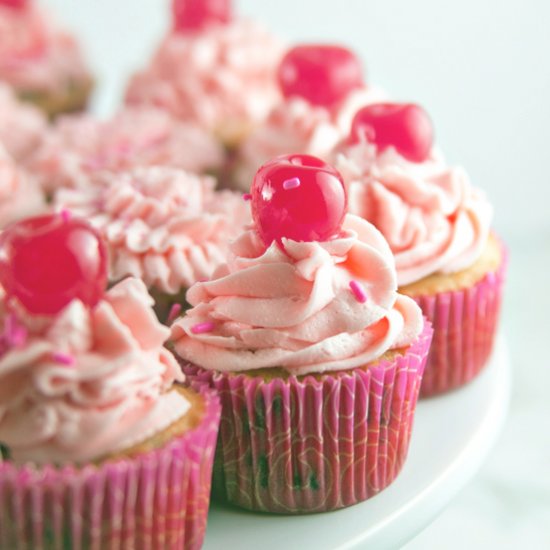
(465, 324)
(315, 443)
(157, 500)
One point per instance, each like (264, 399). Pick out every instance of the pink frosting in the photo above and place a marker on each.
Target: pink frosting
(163, 225)
(20, 196)
(34, 54)
(86, 383)
(222, 78)
(21, 125)
(432, 217)
(295, 309)
(82, 145)
(297, 126)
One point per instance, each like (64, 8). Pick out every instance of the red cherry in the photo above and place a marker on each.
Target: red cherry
(194, 15)
(47, 261)
(321, 74)
(299, 197)
(15, 4)
(405, 126)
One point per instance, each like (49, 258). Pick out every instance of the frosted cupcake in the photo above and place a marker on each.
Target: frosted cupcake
(102, 446)
(322, 88)
(213, 70)
(317, 359)
(20, 195)
(163, 225)
(438, 227)
(42, 63)
(80, 146)
(22, 126)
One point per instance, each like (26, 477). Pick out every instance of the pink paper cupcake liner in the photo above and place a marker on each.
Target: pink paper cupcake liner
(316, 443)
(158, 500)
(465, 324)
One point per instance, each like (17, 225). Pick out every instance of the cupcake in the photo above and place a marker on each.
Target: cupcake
(22, 126)
(20, 195)
(322, 87)
(42, 63)
(316, 358)
(162, 225)
(439, 228)
(102, 445)
(80, 146)
(212, 69)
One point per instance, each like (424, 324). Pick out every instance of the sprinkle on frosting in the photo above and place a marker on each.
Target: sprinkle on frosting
(174, 313)
(203, 328)
(63, 358)
(247, 196)
(358, 291)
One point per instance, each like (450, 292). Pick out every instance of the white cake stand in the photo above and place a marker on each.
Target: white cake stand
(452, 436)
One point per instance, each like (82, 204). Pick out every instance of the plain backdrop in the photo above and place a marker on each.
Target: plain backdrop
(481, 68)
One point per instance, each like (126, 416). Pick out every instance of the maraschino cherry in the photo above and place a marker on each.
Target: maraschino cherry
(322, 74)
(405, 126)
(298, 197)
(48, 261)
(15, 4)
(195, 15)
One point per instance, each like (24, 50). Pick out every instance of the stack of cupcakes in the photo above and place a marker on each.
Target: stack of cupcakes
(306, 306)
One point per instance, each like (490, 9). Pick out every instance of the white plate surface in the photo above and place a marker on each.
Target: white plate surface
(451, 438)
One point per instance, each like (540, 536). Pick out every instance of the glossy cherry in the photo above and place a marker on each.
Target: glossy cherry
(299, 197)
(47, 261)
(405, 126)
(15, 4)
(321, 74)
(194, 15)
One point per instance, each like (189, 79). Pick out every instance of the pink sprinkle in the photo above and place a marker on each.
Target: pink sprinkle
(201, 328)
(15, 334)
(175, 310)
(65, 215)
(63, 359)
(247, 196)
(292, 183)
(19, 337)
(358, 291)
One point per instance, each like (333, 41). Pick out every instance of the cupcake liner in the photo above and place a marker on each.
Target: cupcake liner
(158, 500)
(465, 324)
(317, 443)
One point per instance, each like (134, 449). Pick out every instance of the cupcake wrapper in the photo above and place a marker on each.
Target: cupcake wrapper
(158, 500)
(465, 324)
(318, 443)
